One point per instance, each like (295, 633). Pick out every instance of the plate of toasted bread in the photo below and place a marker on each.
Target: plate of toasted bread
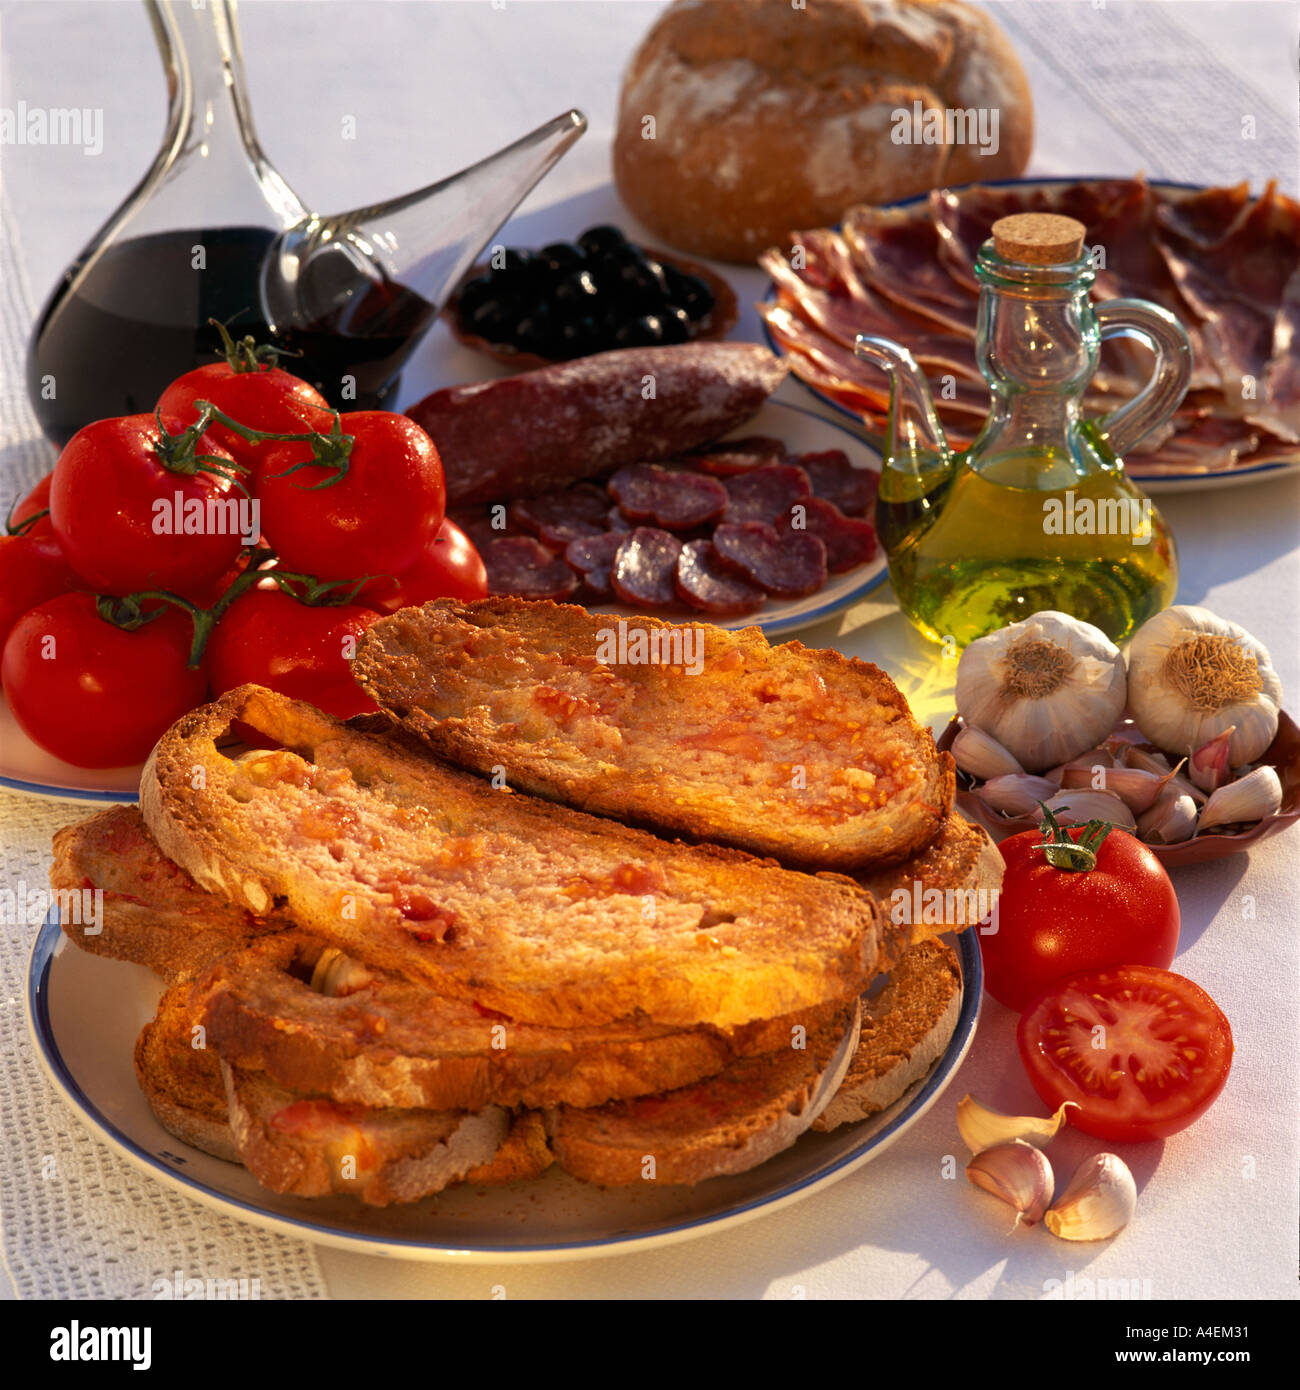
(553, 957)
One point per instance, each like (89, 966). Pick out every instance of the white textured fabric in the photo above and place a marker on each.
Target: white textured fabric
(1118, 87)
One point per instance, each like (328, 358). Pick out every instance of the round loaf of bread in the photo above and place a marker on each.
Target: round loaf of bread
(743, 120)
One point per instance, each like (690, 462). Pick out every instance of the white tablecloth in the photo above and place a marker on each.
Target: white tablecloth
(433, 86)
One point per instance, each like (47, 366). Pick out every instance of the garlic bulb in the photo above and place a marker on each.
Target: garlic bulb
(1193, 675)
(1046, 689)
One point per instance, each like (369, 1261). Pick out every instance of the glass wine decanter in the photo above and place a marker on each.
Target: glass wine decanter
(212, 231)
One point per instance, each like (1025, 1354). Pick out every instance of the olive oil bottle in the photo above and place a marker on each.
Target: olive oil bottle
(1038, 513)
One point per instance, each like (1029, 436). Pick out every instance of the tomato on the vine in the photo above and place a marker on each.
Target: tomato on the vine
(1142, 1052)
(450, 568)
(253, 391)
(1057, 921)
(32, 569)
(135, 508)
(373, 507)
(36, 501)
(94, 694)
(268, 638)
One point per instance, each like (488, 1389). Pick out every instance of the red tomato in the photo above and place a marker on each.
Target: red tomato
(271, 639)
(32, 569)
(379, 517)
(1143, 1052)
(450, 568)
(114, 508)
(37, 500)
(92, 694)
(267, 398)
(1053, 922)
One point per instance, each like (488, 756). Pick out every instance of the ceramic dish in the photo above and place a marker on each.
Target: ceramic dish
(1283, 753)
(1157, 483)
(84, 1014)
(720, 320)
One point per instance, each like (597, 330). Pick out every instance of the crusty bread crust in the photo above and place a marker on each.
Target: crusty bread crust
(541, 913)
(728, 1124)
(153, 913)
(311, 1148)
(906, 1028)
(824, 768)
(525, 1155)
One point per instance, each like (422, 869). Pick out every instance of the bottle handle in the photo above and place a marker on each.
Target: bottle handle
(1158, 330)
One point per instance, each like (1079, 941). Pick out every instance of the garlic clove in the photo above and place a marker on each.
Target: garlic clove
(1136, 789)
(1146, 761)
(1017, 1174)
(1208, 767)
(984, 1128)
(1248, 799)
(1170, 821)
(1089, 805)
(1085, 762)
(1015, 794)
(982, 755)
(1099, 1201)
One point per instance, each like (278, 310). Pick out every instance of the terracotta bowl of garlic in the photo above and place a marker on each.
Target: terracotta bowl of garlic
(1049, 711)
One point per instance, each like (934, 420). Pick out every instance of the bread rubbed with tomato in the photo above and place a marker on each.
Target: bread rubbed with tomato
(536, 911)
(804, 755)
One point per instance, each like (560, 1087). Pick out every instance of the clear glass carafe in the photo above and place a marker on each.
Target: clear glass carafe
(213, 232)
(1038, 512)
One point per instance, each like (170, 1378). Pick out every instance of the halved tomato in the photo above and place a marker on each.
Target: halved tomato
(1143, 1052)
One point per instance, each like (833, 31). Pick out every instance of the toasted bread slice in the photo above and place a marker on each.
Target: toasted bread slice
(539, 912)
(905, 1029)
(181, 1078)
(728, 1124)
(808, 756)
(153, 913)
(525, 1154)
(948, 886)
(310, 1147)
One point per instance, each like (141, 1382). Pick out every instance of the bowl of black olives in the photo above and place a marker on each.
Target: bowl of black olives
(571, 299)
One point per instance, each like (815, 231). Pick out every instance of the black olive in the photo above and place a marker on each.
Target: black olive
(640, 284)
(537, 332)
(574, 290)
(580, 336)
(512, 265)
(560, 257)
(493, 320)
(596, 241)
(676, 323)
(694, 295)
(646, 331)
(474, 293)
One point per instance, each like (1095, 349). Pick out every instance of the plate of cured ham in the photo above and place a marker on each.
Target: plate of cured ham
(1224, 261)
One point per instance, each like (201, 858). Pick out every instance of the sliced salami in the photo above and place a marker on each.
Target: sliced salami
(731, 456)
(849, 541)
(765, 494)
(478, 523)
(519, 565)
(834, 478)
(645, 567)
(673, 499)
(560, 517)
(705, 583)
(592, 559)
(788, 564)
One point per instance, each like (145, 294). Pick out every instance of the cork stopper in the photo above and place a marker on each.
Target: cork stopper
(1038, 238)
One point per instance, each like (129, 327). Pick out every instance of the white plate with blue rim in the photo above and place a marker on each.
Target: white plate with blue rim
(85, 1013)
(26, 767)
(1154, 483)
